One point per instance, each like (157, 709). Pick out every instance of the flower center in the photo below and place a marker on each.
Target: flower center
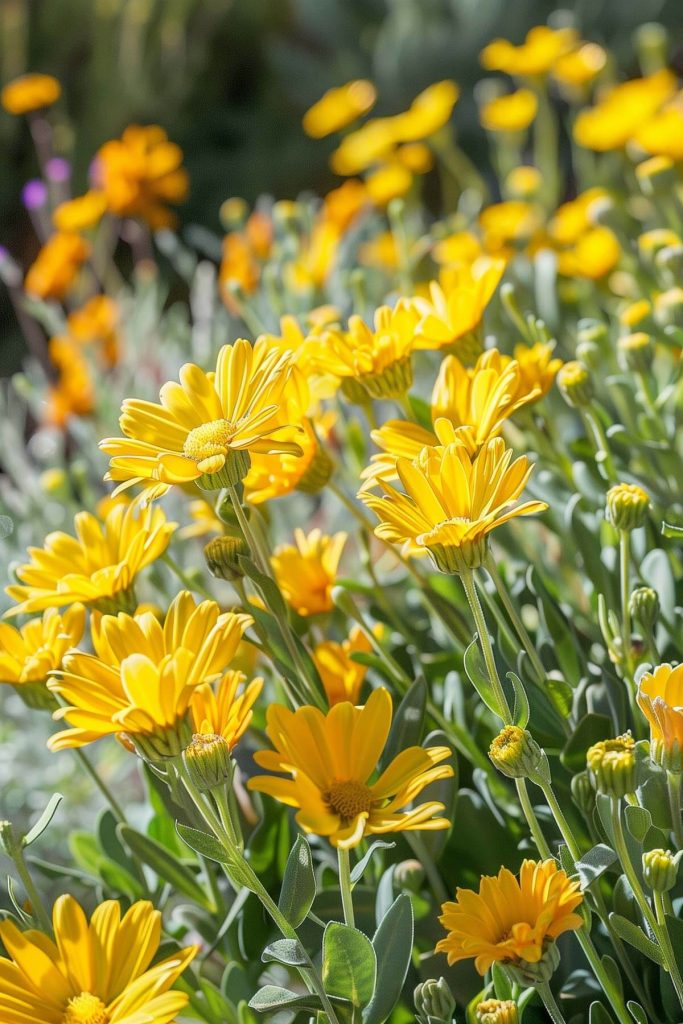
(85, 1009)
(348, 799)
(208, 440)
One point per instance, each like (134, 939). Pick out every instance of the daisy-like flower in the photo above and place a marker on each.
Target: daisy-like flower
(511, 920)
(339, 107)
(660, 698)
(452, 502)
(371, 362)
(142, 676)
(55, 269)
(341, 676)
(29, 93)
(537, 366)
(332, 763)
(469, 405)
(306, 570)
(29, 654)
(224, 711)
(93, 972)
(456, 305)
(96, 567)
(206, 425)
(621, 112)
(537, 55)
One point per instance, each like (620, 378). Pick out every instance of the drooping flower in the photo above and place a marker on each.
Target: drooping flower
(452, 502)
(141, 173)
(334, 782)
(511, 920)
(341, 676)
(660, 698)
(339, 107)
(30, 92)
(97, 567)
(55, 268)
(306, 570)
(93, 972)
(206, 425)
(578, 68)
(428, 113)
(30, 653)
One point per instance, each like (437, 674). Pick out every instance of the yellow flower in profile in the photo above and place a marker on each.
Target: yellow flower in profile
(581, 66)
(143, 675)
(96, 567)
(390, 181)
(660, 698)
(523, 182)
(456, 307)
(339, 107)
(341, 676)
(30, 92)
(205, 426)
(381, 251)
(593, 256)
(415, 156)
(513, 112)
(332, 760)
(506, 226)
(96, 972)
(141, 173)
(81, 213)
(537, 367)
(306, 570)
(511, 920)
(572, 219)
(55, 269)
(622, 110)
(224, 711)
(429, 111)
(662, 135)
(537, 55)
(372, 361)
(204, 520)
(368, 144)
(29, 654)
(452, 502)
(462, 247)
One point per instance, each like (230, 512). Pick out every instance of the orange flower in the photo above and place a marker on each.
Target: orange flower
(337, 108)
(74, 393)
(54, 271)
(96, 322)
(30, 92)
(341, 676)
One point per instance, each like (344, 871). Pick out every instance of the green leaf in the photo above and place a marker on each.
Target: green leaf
(166, 866)
(349, 964)
(521, 712)
(502, 985)
(285, 951)
(637, 1012)
(202, 843)
(594, 863)
(272, 999)
(672, 530)
(360, 867)
(477, 674)
(298, 885)
(597, 1014)
(393, 946)
(675, 928)
(44, 820)
(638, 821)
(636, 937)
(591, 729)
(406, 728)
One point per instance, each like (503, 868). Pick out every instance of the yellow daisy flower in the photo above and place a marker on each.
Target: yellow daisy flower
(29, 654)
(622, 110)
(220, 711)
(93, 972)
(511, 920)
(512, 112)
(97, 567)
(55, 269)
(332, 760)
(341, 676)
(660, 698)
(81, 213)
(306, 570)
(456, 305)
(30, 92)
(205, 426)
(537, 367)
(339, 107)
(452, 502)
(537, 55)
(142, 676)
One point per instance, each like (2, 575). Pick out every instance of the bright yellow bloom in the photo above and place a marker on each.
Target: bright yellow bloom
(306, 570)
(462, 247)
(55, 268)
(620, 112)
(537, 368)
(80, 213)
(390, 181)
(429, 111)
(593, 256)
(97, 322)
(511, 920)
(143, 676)
(579, 67)
(512, 112)
(29, 654)
(571, 220)
(339, 107)
(505, 226)
(205, 426)
(30, 92)
(537, 55)
(220, 711)
(141, 173)
(341, 676)
(457, 306)
(332, 760)
(660, 698)
(360, 149)
(97, 567)
(452, 502)
(380, 251)
(662, 135)
(523, 182)
(97, 972)
(415, 156)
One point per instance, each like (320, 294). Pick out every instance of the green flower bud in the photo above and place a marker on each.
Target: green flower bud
(532, 974)
(660, 868)
(208, 762)
(627, 506)
(668, 307)
(612, 765)
(575, 384)
(222, 557)
(515, 752)
(583, 793)
(409, 875)
(434, 1002)
(644, 607)
(636, 352)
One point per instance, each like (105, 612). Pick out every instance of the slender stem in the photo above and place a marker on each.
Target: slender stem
(188, 583)
(554, 1012)
(515, 619)
(531, 820)
(115, 806)
(673, 780)
(667, 946)
(344, 862)
(615, 998)
(14, 850)
(624, 589)
(485, 642)
(559, 817)
(594, 427)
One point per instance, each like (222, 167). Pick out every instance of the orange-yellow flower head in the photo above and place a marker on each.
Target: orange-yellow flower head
(73, 393)
(29, 654)
(452, 502)
(97, 323)
(341, 676)
(513, 112)
(511, 920)
(29, 93)
(331, 760)
(537, 55)
(205, 426)
(96, 567)
(660, 698)
(306, 571)
(92, 972)
(80, 214)
(143, 676)
(430, 110)
(662, 135)
(339, 107)
(620, 112)
(224, 710)
(141, 173)
(456, 306)
(55, 269)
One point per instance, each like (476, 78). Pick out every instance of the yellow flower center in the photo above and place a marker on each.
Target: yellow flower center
(348, 799)
(85, 1009)
(209, 440)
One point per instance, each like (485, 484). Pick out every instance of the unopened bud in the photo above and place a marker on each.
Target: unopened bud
(644, 607)
(668, 306)
(660, 869)
(575, 384)
(636, 351)
(515, 752)
(208, 762)
(434, 1002)
(409, 875)
(627, 506)
(583, 793)
(222, 557)
(612, 765)
(497, 1011)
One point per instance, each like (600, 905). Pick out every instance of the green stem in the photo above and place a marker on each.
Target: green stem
(515, 619)
(554, 1012)
(531, 820)
(558, 814)
(624, 585)
(116, 808)
(673, 780)
(504, 712)
(344, 862)
(14, 850)
(594, 428)
(189, 584)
